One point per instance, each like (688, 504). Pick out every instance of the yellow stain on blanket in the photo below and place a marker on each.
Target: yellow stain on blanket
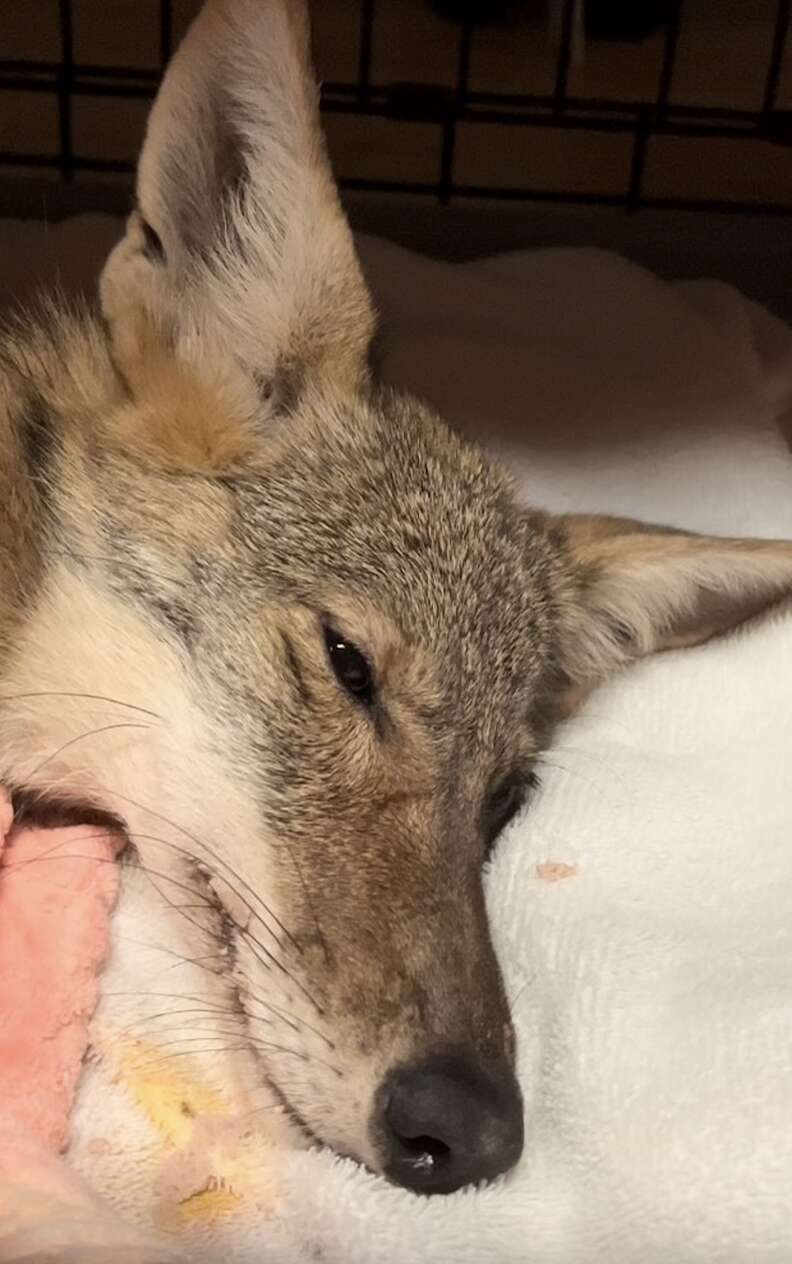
(209, 1205)
(213, 1162)
(171, 1100)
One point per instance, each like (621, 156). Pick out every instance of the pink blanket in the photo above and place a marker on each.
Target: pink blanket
(57, 891)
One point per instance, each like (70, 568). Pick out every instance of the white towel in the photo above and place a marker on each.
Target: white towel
(652, 981)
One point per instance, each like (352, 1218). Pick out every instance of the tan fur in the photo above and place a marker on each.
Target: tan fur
(191, 500)
(649, 589)
(179, 418)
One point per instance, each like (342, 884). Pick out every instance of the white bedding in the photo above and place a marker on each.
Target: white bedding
(653, 983)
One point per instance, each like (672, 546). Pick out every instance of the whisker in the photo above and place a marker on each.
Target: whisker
(109, 860)
(83, 737)
(254, 943)
(82, 697)
(251, 994)
(291, 1020)
(131, 564)
(183, 851)
(153, 1064)
(151, 874)
(200, 1007)
(10, 866)
(204, 901)
(252, 940)
(594, 757)
(243, 932)
(258, 1043)
(220, 1033)
(181, 958)
(260, 1110)
(207, 1045)
(544, 762)
(520, 991)
(309, 902)
(211, 1033)
(165, 996)
(218, 860)
(220, 955)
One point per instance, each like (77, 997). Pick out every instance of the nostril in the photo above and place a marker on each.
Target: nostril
(425, 1154)
(425, 1145)
(448, 1123)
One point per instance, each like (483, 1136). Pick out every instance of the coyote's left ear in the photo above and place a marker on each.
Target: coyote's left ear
(629, 589)
(238, 255)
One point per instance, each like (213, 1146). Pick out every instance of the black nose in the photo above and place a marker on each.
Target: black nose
(449, 1122)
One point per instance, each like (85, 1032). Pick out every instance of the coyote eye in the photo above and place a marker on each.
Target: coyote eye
(350, 666)
(504, 804)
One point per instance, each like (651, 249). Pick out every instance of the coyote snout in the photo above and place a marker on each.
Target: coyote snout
(300, 638)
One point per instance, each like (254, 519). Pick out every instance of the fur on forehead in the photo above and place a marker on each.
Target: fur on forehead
(392, 502)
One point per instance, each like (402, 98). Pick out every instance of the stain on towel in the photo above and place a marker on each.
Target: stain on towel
(214, 1161)
(555, 871)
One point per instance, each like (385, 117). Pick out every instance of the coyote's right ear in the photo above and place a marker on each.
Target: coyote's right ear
(239, 253)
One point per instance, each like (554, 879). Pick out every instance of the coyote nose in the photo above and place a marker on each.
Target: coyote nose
(447, 1122)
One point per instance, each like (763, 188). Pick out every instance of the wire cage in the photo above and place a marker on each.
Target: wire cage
(466, 118)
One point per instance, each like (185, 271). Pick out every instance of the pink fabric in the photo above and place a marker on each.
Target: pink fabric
(57, 890)
(48, 1214)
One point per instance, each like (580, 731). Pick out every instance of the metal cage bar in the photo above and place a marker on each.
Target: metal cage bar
(366, 48)
(444, 107)
(669, 58)
(165, 31)
(64, 88)
(776, 55)
(564, 56)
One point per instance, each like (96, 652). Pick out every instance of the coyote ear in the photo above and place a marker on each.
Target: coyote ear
(239, 249)
(634, 589)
